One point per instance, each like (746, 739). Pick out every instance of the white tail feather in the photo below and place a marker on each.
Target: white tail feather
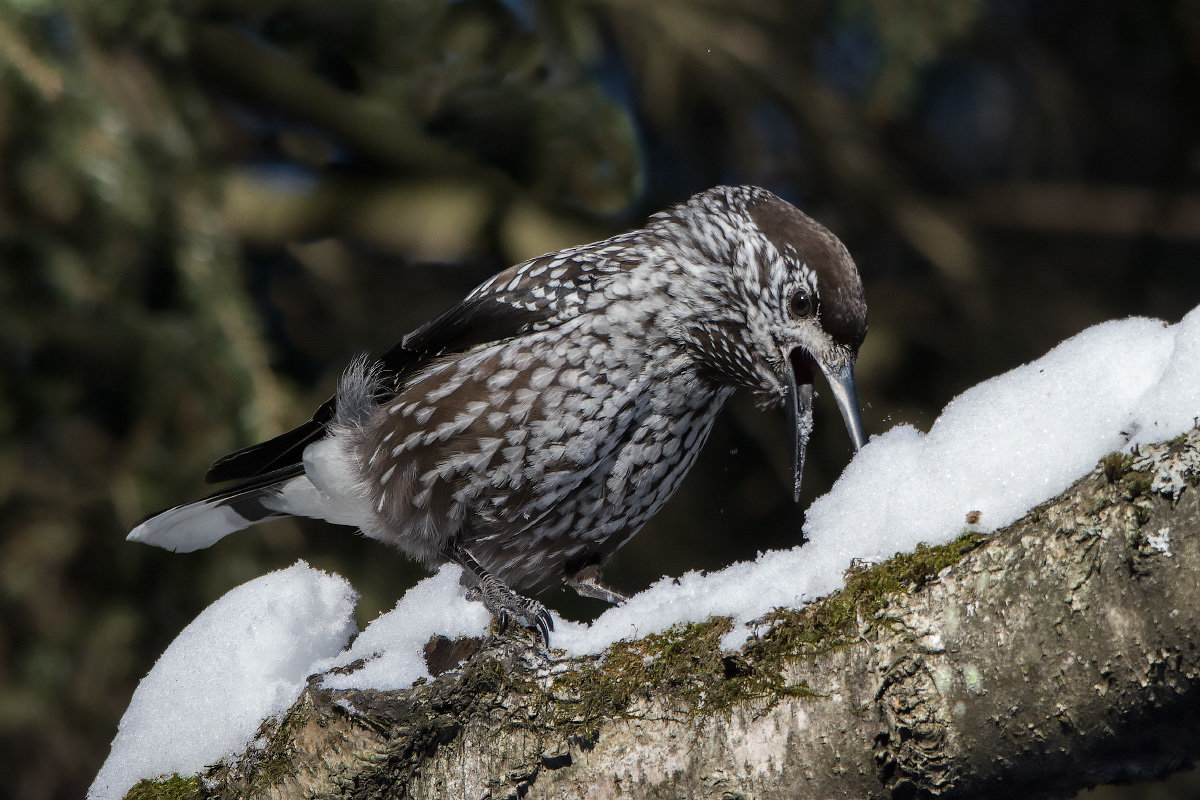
(326, 489)
(202, 523)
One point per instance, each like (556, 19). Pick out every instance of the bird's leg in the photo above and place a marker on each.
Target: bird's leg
(503, 603)
(588, 583)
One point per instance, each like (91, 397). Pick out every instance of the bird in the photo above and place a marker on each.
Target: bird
(532, 429)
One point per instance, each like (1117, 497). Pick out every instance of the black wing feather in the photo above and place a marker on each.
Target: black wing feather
(531, 296)
(478, 319)
(474, 321)
(284, 450)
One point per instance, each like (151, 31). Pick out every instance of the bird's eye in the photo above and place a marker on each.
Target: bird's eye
(802, 304)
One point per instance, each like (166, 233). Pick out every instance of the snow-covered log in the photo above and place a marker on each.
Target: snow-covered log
(1044, 641)
(1058, 652)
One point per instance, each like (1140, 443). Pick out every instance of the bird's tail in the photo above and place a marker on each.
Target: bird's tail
(197, 525)
(324, 484)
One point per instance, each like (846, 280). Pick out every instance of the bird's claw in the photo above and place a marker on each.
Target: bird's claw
(534, 617)
(506, 606)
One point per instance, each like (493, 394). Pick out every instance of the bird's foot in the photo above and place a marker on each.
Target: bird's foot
(587, 583)
(506, 606)
(504, 603)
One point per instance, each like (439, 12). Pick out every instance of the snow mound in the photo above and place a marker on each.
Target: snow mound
(393, 644)
(245, 658)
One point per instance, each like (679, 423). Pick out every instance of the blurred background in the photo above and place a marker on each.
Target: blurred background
(207, 207)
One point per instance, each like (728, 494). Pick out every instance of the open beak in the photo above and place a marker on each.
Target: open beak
(798, 396)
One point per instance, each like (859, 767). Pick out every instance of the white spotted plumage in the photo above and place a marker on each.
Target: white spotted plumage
(529, 431)
(593, 449)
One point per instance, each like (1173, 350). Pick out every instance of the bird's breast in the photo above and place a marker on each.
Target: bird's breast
(539, 447)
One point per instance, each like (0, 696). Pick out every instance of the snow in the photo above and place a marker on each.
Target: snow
(245, 658)
(997, 449)
(393, 643)
(1172, 404)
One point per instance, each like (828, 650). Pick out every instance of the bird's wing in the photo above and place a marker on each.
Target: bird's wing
(532, 296)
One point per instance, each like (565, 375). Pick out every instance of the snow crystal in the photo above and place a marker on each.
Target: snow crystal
(245, 658)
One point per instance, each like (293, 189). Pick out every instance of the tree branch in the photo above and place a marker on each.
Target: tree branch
(1057, 653)
(381, 133)
(1088, 209)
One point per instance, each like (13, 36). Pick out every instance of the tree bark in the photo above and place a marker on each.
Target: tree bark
(1057, 653)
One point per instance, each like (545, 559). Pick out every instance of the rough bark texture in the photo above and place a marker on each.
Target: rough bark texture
(1056, 653)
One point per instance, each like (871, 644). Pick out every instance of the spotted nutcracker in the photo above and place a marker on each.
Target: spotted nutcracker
(530, 430)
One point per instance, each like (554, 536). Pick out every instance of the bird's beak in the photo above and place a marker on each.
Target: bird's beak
(798, 395)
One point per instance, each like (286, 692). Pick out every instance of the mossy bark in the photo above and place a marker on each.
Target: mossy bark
(1056, 653)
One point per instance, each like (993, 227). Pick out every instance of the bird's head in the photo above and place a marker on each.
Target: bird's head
(772, 298)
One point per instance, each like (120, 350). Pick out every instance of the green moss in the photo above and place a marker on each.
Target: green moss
(274, 764)
(175, 787)
(1137, 485)
(482, 677)
(1116, 466)
(829, 622)
(683, 665)
(1136, 538)
(1118, 471)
